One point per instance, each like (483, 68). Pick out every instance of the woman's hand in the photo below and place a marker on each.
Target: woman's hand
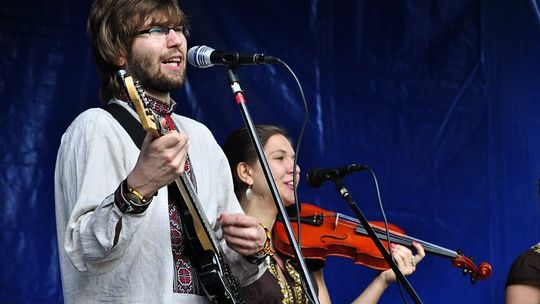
(405, 260)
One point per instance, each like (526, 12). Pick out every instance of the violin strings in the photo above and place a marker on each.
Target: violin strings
(351, 222)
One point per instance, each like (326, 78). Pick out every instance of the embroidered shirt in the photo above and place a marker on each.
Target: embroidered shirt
(95, 155)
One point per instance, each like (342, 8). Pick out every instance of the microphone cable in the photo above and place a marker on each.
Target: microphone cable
(374, 177)
(297, 152)
(295, 181)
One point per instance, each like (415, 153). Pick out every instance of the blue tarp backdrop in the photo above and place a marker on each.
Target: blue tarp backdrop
(439, 98)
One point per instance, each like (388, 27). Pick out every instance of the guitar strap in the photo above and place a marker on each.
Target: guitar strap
(130, 123)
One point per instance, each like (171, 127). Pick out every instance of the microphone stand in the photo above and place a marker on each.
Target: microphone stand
(401, 278)
(241, 101)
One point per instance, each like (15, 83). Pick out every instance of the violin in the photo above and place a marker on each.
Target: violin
(326, 233)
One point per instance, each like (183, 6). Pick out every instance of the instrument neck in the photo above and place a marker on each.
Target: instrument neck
(395, 237)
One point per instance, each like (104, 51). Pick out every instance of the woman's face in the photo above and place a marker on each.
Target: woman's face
(280, 156)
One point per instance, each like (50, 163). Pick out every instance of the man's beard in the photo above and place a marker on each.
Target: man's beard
(151, 77)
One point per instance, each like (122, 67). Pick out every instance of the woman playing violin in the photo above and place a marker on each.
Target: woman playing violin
(280, 283)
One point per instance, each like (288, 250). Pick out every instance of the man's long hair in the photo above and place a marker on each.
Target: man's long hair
(112, 27)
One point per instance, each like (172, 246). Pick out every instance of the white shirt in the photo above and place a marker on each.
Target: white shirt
(95, 155)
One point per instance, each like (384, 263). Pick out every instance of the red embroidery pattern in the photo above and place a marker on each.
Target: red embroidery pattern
(185, 275)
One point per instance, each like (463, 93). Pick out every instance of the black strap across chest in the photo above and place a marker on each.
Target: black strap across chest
(130, 123)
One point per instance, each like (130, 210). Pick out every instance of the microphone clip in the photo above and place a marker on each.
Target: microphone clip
(316, 177)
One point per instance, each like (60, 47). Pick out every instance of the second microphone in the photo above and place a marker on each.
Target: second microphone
(316, 177)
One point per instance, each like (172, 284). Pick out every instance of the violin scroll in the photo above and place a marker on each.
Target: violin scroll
(469, 268)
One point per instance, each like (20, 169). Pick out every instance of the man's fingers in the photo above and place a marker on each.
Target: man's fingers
(241, 243)
(238, 220)
(147, 140)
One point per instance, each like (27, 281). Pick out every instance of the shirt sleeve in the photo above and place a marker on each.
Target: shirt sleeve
(91, 163)
(525, 268)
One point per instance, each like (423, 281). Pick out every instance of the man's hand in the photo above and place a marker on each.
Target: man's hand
(160, 161)
(242, 233)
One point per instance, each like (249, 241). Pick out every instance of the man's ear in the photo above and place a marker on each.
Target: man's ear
(121, 61)
(243, 170)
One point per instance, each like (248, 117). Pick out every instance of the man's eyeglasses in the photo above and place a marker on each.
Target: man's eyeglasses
(162, 31)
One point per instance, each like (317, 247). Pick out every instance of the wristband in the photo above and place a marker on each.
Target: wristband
(264, 251)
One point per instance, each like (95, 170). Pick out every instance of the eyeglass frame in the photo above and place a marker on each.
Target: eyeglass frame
(151, 31)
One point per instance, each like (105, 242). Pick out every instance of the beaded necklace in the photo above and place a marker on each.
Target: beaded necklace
(291, 294)
(536, 248)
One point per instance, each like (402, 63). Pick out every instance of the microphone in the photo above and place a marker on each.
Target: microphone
(316, 177)
(204, 56)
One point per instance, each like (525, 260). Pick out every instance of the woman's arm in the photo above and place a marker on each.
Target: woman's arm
(324, 297)
(405, 261)
(522, 294)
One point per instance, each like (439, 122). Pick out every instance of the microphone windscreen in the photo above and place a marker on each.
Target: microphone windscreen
(199, 56)
(313, 178)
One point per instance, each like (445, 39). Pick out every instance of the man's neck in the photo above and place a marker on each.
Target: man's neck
(163, 97)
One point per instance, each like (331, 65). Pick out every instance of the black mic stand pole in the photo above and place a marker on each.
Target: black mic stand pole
(399, 275)
(241, 101)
